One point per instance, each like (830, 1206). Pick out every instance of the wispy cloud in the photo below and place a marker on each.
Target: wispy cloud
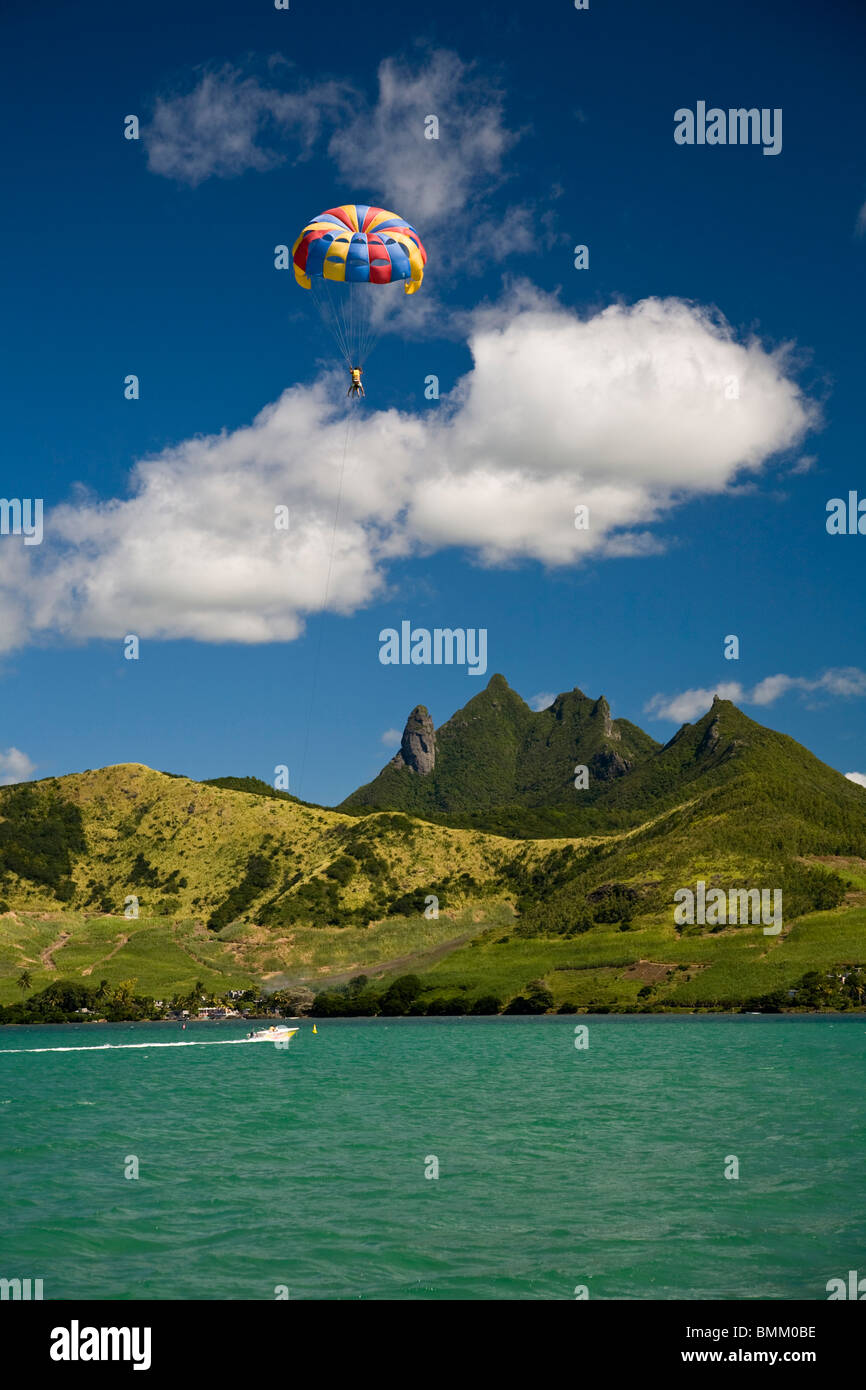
(392, 738)
(542, 701)
(846, 681)
(858, 777)
(386, 149)
(233, 119)
(689, 704)
(231, 122)
(15, 766)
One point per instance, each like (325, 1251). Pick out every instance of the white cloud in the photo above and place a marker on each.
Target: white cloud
(392, 738)
(385, 148)
(234, 120)
(230, 123)
(846, 681)
(623, 411)
(858, 777)
(804, 464)
(689, 704)
(542, 701)
(15, 766)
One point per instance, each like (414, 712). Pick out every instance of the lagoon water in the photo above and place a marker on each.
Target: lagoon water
(558, 1167)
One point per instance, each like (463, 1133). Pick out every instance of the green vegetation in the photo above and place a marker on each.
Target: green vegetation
(235, 886)
(504, 770)
(258, 876)
(496, 759)
(40, 835)
(70, 1001)
(253, 786)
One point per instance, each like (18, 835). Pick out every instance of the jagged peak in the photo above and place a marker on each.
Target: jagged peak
(719, 707)
(575, 695)
(418, 744)
(602, 707)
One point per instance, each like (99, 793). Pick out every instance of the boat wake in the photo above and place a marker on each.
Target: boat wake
(114, 1047)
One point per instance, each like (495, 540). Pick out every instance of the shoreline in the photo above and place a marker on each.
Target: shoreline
(445, 1018)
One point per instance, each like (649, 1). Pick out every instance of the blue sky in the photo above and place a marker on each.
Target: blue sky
(156, 257)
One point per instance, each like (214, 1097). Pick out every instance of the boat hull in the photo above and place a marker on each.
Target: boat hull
(273, 1035)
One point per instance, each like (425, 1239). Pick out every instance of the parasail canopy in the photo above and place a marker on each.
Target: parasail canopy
(341, 255)
(358, 244)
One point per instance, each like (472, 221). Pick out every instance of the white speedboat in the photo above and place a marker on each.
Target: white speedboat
(278, 1032)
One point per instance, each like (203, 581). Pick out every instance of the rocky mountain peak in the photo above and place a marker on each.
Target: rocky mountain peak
(418, 744)
(602, 708)
(711, 735)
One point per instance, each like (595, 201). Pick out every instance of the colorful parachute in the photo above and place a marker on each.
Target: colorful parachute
(360, 245)
(345, 251)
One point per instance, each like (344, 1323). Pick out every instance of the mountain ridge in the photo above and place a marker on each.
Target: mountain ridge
(235, 881)
(531, 759)
(629, 774)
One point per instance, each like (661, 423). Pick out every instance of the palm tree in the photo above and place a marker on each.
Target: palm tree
(24, 980)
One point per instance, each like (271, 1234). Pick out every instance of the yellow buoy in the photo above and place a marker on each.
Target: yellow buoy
(315, 1029)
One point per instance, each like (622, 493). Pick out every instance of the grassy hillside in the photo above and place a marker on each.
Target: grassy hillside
(244, 884)
(187, 848)
(236, 885)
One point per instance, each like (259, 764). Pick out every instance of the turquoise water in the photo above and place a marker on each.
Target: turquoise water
(557, 1167)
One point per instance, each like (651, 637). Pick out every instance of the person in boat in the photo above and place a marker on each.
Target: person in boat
(356, 387)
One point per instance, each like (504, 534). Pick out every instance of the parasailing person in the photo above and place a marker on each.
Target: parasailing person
(345, 254)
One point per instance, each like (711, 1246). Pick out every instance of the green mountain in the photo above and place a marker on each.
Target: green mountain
(153, 882)
(498, 755)
(498, 766)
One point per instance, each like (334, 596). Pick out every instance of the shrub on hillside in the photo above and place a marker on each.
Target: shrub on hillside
(257, 877)
(537, 1000)
(400, 995)
(486, 1004)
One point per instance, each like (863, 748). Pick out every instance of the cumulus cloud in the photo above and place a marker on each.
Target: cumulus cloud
(858, 777)
(623, 412)
(15, 766)
(542, 701)
(845, 681)
(231, 122)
